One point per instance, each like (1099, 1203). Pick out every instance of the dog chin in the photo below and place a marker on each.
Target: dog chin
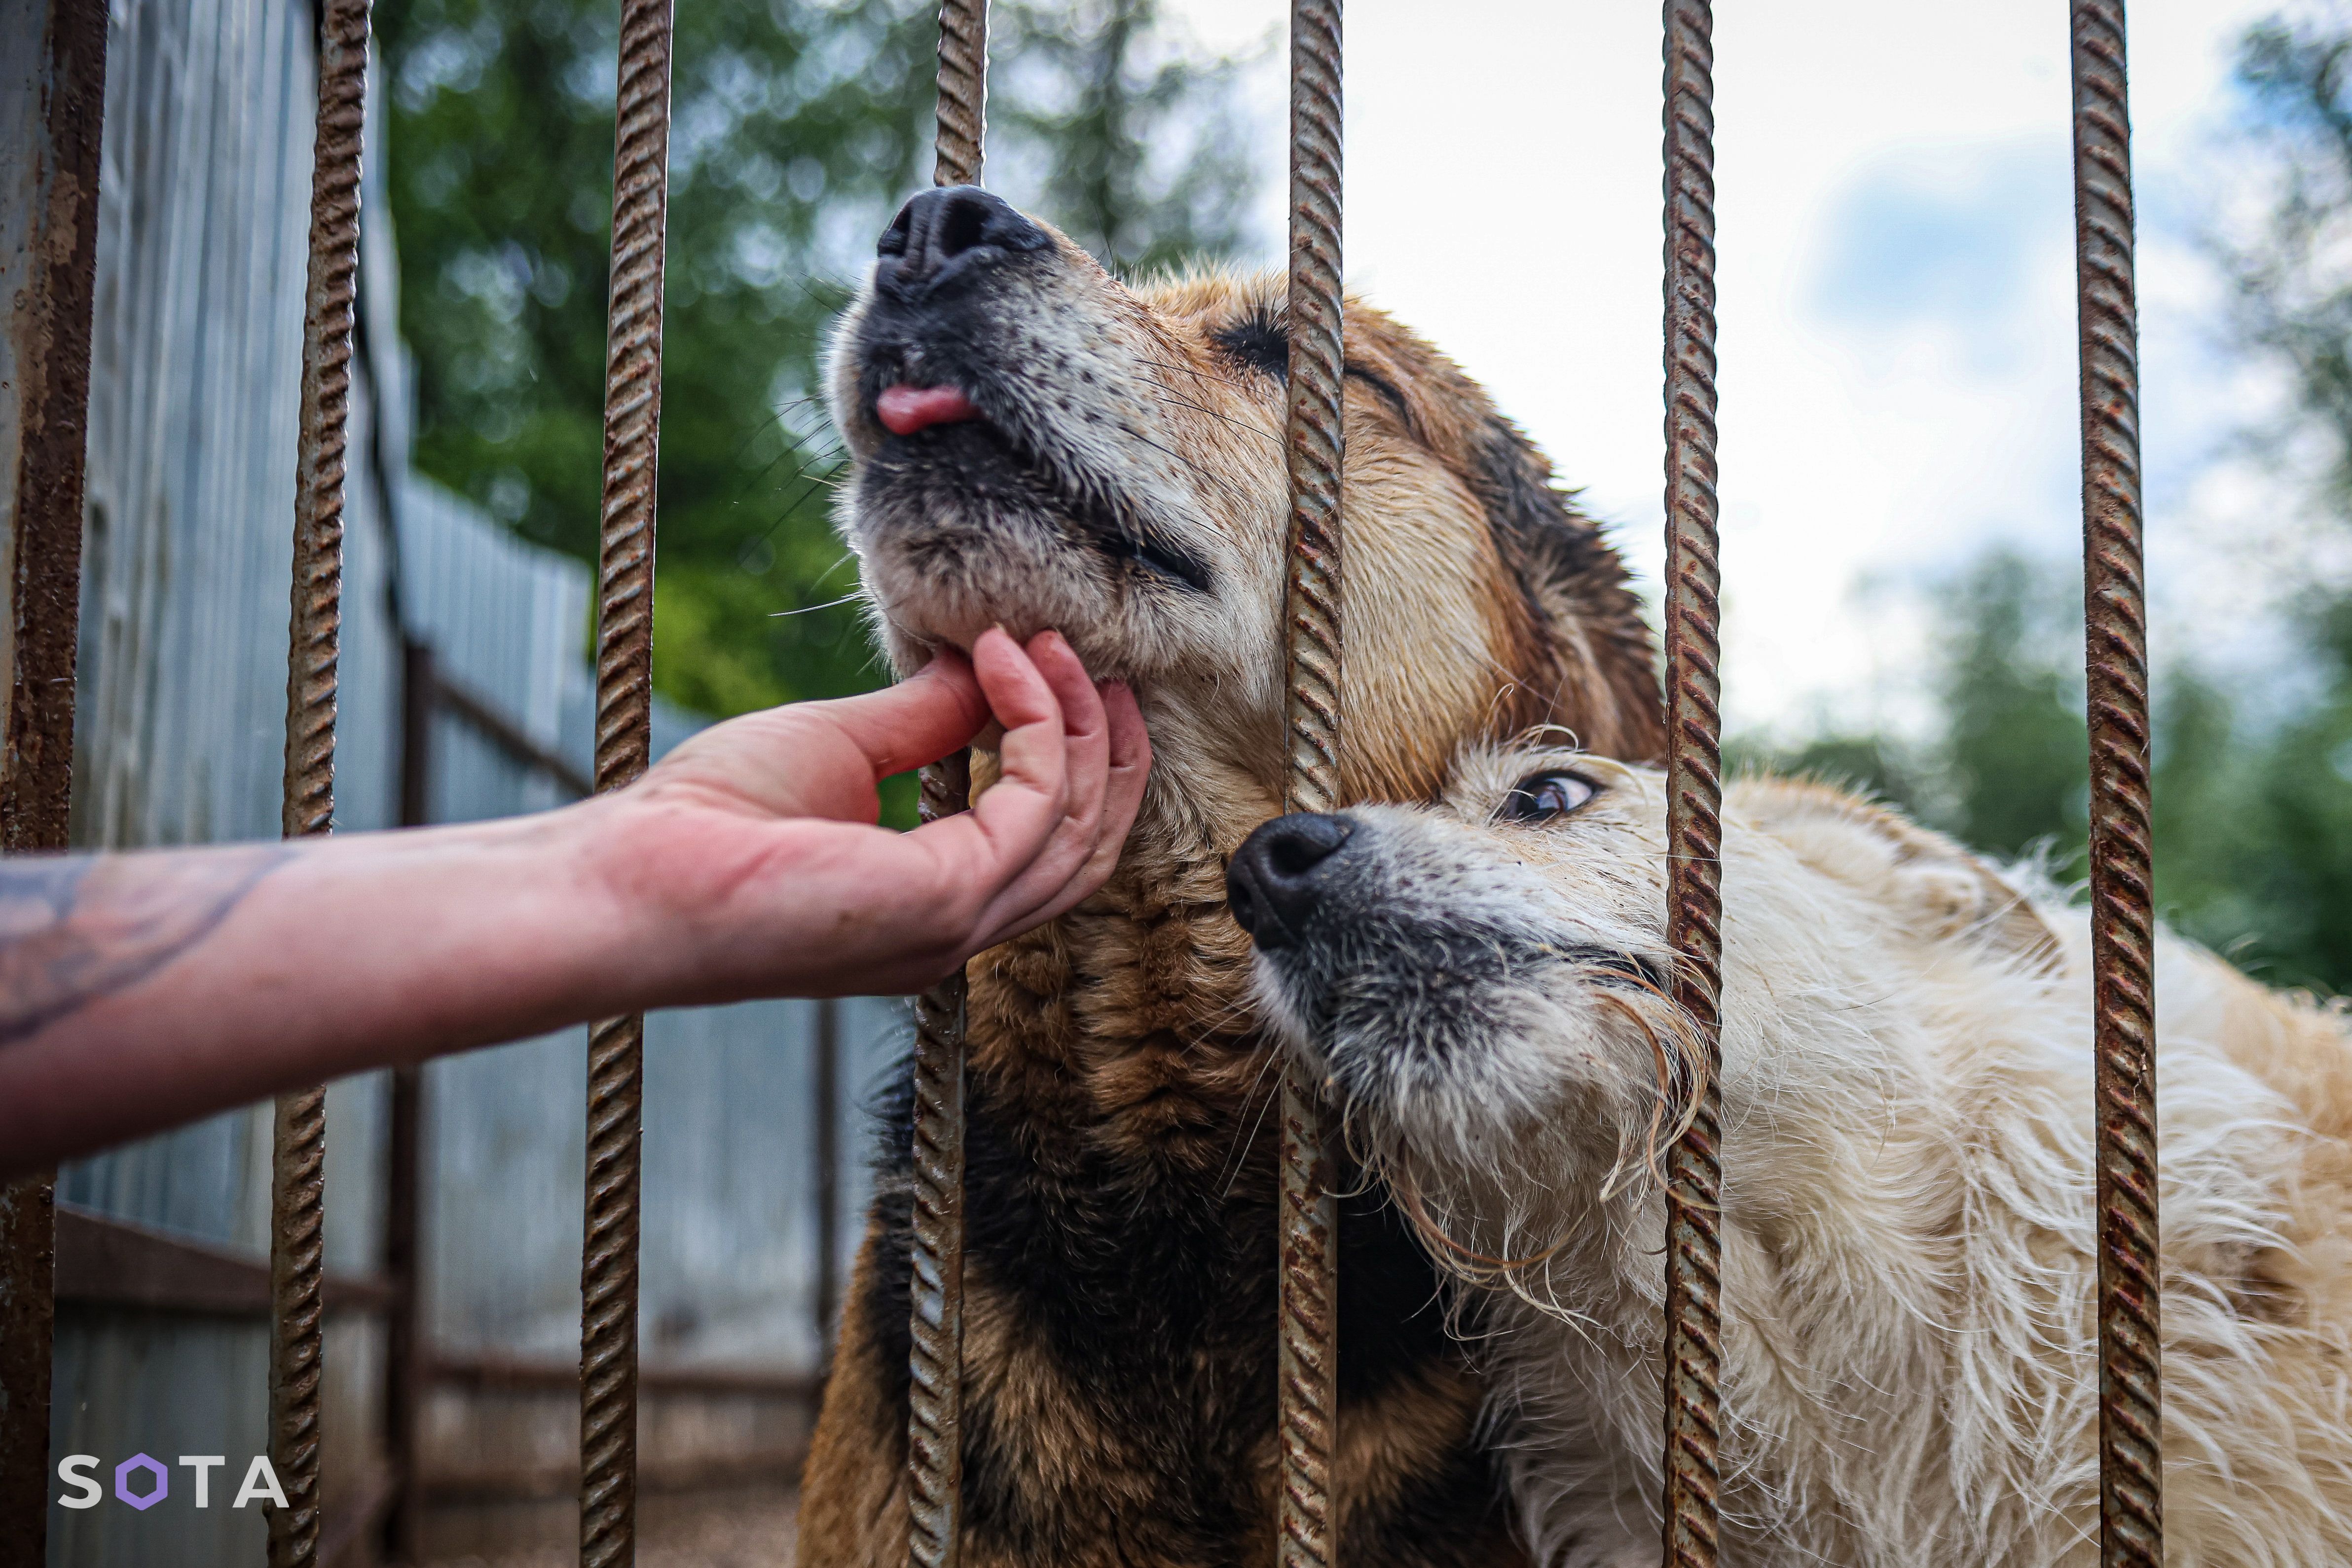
(951, 585)
(1289, 1011)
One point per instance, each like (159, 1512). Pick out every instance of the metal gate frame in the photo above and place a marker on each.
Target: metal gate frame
(55, 56)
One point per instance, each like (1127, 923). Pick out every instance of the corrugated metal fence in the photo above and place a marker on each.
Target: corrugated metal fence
(195, 367)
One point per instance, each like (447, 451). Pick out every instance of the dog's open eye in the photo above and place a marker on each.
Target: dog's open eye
(1540, 796)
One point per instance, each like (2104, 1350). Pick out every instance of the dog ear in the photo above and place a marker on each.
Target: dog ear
(1584, 626)
(1947, 897)
(1933, 886)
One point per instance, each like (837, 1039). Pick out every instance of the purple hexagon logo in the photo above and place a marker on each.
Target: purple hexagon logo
(123, 1482)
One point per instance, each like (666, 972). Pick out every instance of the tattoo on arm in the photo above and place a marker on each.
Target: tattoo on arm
(76, 928)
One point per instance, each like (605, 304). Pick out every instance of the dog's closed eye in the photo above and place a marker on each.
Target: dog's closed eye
(1542, 796)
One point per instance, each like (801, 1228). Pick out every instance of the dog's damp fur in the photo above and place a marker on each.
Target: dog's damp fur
(1908, 1215)
(1127, 487)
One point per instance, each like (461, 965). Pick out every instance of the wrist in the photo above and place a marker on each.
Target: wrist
(616, 859)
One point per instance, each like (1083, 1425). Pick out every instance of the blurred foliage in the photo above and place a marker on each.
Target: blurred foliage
(2253, 826)
(799, 125)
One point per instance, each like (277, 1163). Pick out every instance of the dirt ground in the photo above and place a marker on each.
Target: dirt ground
(751, 1529)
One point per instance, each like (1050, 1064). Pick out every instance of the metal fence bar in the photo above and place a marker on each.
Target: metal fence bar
(52, 100)
(299, 1143)
(625, 646)
(935, 1293)
(1693, 784)
(1308, 1352)
(2122, 916)
(935, 1355)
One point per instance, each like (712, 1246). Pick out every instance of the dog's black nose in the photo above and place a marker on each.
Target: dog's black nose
(1281, 873)
(949, 232)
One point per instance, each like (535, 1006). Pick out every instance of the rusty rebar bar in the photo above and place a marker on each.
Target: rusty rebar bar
(935, 1293)
(298, 1190)
(962, 124)
(298, 1140)
(1694, 1324)
(935, 1355)
(54, 60)
(1308, 1354)
(2122, 916)
(625, 647)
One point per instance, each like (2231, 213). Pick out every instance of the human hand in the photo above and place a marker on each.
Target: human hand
(747, 861)
(137, 991)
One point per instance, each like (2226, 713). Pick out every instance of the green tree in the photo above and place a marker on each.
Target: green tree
(2294, 293)
(799, 125)
(2014, 753)
(2301, 881)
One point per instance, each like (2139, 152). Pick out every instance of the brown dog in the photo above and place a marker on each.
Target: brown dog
(1062, 452)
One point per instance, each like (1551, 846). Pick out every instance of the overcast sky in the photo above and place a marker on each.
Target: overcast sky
(1896, 292)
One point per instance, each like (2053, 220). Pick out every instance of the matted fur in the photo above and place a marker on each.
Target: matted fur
(1909, 1260)
(1127, 487)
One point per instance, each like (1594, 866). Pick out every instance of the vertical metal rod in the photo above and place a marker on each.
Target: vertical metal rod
(625, 647)
(52, 100)
(827, 1110)
(935, 1358)
(2123, 918)
(935, 1294)
(28, 1269)
(1693, 785)
(1308, 1352)
(299, 1143)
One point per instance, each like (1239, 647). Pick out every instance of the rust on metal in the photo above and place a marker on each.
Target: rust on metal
(963, 92)
(2123, 918)
(1308, 1349)
(298, 1145)
(297, 1189)
(1694, 1315)
(28, 1319)
(55, 57)
(53, 95)
(625, 646)
(935, 1295)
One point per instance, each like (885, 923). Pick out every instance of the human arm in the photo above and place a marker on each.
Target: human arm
(141, 990)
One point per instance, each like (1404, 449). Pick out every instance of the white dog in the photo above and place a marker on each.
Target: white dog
(1908, 1234)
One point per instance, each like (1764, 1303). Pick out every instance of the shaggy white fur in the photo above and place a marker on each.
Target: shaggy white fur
(1908, 1229)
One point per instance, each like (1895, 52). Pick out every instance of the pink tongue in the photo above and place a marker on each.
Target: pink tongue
(905, 409)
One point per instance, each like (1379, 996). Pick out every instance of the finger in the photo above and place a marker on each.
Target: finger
(915, 722)
(988, 848)
(1129, 771)
(1101, 845)
(1086, 738)
(1085, 733)
(824, 758)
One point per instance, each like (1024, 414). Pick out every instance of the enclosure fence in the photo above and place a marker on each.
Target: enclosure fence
(54, 61)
